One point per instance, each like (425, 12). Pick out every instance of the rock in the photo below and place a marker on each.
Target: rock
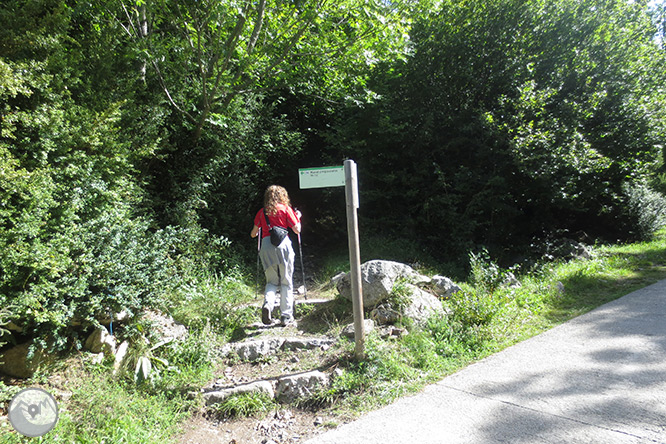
(307, 343)
(384, 315)
(13, 327)
(337, 278)
(349, 332)
(568, 249)
(253, 350)
(253, 387)
(259, 348)
(14, 361)
(377, 280)
(101, 341)
(293, 387)
(165, 326)
(443, 286)
(392, 332)
(121, 352)
(422, 305)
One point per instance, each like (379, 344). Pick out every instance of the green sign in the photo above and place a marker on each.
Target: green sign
(321, 177)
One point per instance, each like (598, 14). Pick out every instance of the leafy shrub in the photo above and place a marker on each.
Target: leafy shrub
(74, 254)
(474, 307)
(219, 302)
(486, 274)
(646, 208)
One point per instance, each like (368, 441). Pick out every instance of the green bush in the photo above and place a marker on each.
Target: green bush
(472, 307)
(217, 302)
(646, 209)
(485, 273)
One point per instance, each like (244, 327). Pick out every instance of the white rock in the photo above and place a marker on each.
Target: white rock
(253, 387)
(422, 305)
(293, 387)
(253, 350)
(377, 280)
(165, 326)
(121, 352)
(101, 341)
(444, 287)
(383, 315)
(349, 330)
(306, 343)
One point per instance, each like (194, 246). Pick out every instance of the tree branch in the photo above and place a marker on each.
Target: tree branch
(257, 27)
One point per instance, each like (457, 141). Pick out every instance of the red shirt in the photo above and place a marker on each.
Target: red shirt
(284, 217)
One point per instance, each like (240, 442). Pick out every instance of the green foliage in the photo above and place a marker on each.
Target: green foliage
(244, 404)
(444, 343)
(218, 303)
(74, 247)
(475, 307)
(400, 295)
(136, 138)
(485, 274)
(226, 49)
(103, 410)
(510, 120)
(647, 208)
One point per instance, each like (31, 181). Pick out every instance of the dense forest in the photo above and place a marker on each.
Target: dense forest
(137, 136)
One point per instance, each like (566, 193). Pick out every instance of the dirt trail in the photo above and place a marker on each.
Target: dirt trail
(288, 423)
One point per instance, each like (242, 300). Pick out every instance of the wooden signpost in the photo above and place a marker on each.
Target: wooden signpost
(338, 176)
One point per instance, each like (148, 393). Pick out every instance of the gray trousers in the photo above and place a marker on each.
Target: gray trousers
(278, 265)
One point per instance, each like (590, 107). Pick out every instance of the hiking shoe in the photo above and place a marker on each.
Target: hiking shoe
(287, 321)
(266, 315)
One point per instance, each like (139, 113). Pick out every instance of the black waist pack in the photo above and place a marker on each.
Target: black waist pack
(277, 233)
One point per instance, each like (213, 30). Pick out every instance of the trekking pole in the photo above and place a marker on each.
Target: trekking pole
(300, 253)
(258, 258)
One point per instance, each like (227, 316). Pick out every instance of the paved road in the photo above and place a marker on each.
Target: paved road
(599, 378)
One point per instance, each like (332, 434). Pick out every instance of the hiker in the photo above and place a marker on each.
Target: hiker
(278, 261)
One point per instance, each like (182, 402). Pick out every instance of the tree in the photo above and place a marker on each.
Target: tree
(512, 120)
(72, 246)
(207, 53)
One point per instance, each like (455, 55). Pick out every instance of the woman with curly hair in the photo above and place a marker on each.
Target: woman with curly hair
(278, 261)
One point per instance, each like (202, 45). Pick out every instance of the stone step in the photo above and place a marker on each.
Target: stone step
(298, 300)
(254, 349)
(287, 388)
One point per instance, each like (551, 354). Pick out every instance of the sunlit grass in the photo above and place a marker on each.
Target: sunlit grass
(483, 320)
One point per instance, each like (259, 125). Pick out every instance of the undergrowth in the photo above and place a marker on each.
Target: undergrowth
(487, 315)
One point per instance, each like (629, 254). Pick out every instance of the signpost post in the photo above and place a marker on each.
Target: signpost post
(338, 176)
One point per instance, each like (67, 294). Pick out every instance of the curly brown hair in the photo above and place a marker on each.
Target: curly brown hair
(274, 195)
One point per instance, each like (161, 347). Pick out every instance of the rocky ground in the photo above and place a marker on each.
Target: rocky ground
(284, 360)
(274, 353)
(290, 364)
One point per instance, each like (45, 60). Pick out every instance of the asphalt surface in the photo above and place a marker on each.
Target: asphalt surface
(599, 378)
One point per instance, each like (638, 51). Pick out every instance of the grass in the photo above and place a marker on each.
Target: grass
(485, 318)
(245, 404)
(102, 409)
